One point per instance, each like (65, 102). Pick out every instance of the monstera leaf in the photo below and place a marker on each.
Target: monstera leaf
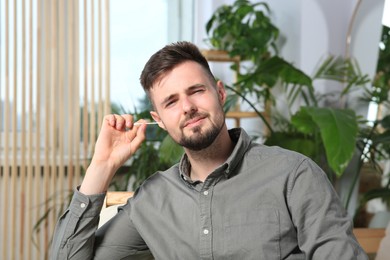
(338, 129)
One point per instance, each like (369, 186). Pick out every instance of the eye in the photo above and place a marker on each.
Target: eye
(199, 90)
(170, 103)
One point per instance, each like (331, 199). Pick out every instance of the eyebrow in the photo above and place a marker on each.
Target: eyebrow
(166, 100)
(196, 86)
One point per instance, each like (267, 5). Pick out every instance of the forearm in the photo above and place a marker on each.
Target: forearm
(97, 178)
(74, 235)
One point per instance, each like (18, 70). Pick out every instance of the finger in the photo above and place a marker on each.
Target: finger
(129, 119)
(110, 119)
(139, 137)
(120, 122)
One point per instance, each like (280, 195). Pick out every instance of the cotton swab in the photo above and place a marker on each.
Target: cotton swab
(145, 123)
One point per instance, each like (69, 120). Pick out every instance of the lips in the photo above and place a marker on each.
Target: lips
(192, 121)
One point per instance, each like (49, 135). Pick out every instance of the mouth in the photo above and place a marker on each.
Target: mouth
(193, 122)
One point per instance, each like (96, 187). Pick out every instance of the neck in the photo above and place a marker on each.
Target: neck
(207, 160)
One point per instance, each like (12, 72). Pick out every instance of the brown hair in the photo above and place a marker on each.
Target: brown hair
(167, 59)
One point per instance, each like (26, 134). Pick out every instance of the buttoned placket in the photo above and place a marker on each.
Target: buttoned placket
(206, 234)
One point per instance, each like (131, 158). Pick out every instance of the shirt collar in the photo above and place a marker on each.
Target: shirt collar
(238, 136)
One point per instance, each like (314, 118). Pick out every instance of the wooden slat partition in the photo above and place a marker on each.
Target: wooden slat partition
(22, 197)
(54, 90)
(29, 227)
(6, 128)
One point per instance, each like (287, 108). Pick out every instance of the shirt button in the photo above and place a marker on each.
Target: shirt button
(205, 231)
(206, 192)
(82, 205)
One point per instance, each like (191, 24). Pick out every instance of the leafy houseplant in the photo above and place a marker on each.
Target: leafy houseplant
(245, 29)
(379, 133)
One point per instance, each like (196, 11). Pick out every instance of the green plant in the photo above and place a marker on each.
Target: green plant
(245, 29)
(382, 79)
(378, 135)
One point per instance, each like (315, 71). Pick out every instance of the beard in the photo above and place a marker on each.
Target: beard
(201, 139)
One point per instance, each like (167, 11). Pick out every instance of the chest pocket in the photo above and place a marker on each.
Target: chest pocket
(253, 235)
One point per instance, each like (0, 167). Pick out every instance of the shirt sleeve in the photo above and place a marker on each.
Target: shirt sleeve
(324, 228)
(76, 235)
(73, 237)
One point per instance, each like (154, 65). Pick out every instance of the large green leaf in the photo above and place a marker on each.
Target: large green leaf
(338, 128)
(275, 68)
(303, 122)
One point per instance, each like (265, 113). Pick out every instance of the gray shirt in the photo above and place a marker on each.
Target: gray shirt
(262, 203)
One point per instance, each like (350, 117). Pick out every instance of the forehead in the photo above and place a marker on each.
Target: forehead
(179, 79)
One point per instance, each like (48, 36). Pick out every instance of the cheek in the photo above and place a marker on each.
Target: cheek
(170, 117)
(218, 104)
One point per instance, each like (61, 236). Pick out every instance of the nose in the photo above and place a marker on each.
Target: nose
(188, 105)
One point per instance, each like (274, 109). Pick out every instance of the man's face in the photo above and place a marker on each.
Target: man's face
(189, 106)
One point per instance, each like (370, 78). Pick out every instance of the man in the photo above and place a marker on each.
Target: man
(228, 198)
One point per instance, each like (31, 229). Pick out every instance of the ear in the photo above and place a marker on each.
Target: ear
(157, 118)
(221, 92)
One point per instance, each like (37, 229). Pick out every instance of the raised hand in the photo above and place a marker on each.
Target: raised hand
(117, 141)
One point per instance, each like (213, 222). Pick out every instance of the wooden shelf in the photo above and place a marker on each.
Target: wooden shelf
(238, 115)
(217, 55)
(241, 114)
